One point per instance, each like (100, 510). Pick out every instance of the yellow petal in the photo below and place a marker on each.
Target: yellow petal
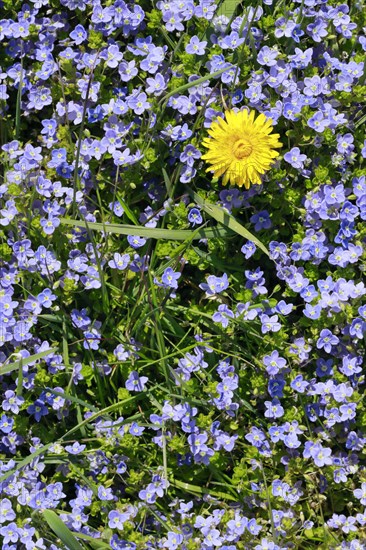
(241, 147)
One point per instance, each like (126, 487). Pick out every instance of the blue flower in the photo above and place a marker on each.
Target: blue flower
(136, 382)
(248, 249)
(10, 533)
(215, 284)
(37, 409)
(270, 324)
(119, 261)
(327, 340)
(295, 158)
(274, 363)
(261, 220)
(267, 56)
(274, 409)
(195, 46)
(194, 216)
(360, 494)
(105, 493)
(79, 34)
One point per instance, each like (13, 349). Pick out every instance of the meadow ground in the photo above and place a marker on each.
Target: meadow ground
(182, 258)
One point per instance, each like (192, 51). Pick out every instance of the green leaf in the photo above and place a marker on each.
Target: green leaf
(226, 219)
(60, 529)
(153, 233)
(5, 369)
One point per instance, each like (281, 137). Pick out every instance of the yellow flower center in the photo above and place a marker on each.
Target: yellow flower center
(242, 148)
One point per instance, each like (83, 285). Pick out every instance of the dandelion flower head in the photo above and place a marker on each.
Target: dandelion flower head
(241, 148)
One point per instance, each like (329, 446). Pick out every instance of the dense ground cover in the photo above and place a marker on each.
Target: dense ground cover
(180, 361)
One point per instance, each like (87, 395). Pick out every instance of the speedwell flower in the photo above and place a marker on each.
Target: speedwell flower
(241, 148)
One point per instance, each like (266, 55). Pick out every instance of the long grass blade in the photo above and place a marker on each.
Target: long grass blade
(42, 450)
(5, 369)
(19, 101)
(228, 8)
(154, 233)
(226, 219)
(189, 85)
(60, 529)
(197, 490)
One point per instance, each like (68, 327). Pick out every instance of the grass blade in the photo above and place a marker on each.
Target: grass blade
(19, 101)
(60, 529)
(228, 8)
(168, 183)
(189, 85)
(69, 397)
(94, 543)
(41, 450)
(226, 219)
(197, 490)
(5, 369)
(27, 460)
(153, 233)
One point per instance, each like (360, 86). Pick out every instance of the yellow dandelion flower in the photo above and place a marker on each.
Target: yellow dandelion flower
(241, 149)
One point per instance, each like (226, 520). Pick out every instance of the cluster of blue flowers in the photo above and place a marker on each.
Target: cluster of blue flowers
(181, 395)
